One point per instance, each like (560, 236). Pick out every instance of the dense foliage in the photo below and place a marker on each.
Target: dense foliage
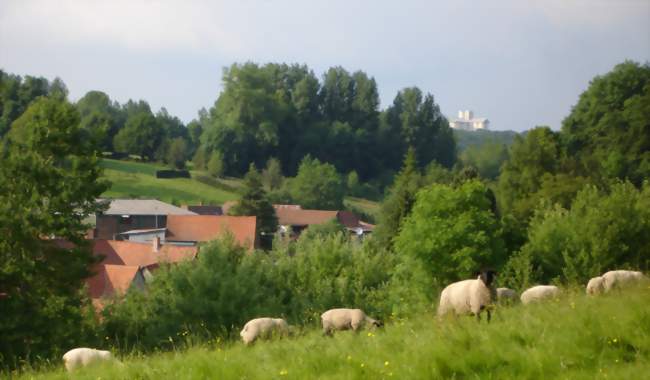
(226, 286)
(283, 111)
(452, 231)
(49, 182)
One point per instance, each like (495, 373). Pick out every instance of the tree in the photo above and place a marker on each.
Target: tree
(141, 135)
(608, 130)
(16, 94)
(254, 201)
(272, 174)
(452, 231)
(215, 165)
(99, 117)
(49, 182)
(317, 186)
(414, 120)
(399, 201)
(176, 155)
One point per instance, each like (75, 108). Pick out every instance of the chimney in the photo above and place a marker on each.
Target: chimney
(156, 244)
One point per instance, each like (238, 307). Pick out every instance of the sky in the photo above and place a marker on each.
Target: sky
(520, 63)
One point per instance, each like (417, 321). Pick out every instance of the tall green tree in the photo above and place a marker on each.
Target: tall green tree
(608, 130)
(399, 201)
(99, 117)
(254, 201)
(141, 135)
(49, 182)
(414, 120)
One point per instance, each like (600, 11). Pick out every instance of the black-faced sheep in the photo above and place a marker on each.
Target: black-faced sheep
(346, 319)
(262, 328)
(469, 296)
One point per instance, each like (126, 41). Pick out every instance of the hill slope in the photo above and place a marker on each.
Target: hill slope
(573, 338)
(138, 180)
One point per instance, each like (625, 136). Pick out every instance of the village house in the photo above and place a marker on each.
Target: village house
(125, 265)
(292, 220)
(125, 215)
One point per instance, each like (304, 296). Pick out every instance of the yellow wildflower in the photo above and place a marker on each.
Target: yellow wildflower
(284, 372)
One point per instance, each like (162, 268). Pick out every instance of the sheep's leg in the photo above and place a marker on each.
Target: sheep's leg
(489, 316)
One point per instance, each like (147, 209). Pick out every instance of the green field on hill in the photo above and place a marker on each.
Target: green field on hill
(575, 337)
(138, 180)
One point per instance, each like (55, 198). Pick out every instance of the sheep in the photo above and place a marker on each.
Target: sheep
(263, 328)
(83, 356)
(469, 296)
(538, 293)
(345, 319)
(620, 278)
(595, 286)
(505, 295)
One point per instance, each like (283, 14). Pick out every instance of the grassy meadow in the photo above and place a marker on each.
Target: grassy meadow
(138, 180)
(575, 337)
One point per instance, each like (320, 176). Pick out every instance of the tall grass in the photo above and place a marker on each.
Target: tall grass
(575, 337)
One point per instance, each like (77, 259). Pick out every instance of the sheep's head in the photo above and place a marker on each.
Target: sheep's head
(377, 323)
(487, 276)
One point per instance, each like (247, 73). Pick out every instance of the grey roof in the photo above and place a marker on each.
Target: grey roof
(143, 207)
(148, 231)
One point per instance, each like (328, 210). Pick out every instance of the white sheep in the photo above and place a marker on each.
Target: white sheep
(469, 296)
(83, 356)
(596, 286)
(260, 328)
(345, 319)
(619, 278)
(538, 293)
(506, 295)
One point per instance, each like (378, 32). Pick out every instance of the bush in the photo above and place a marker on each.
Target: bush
(601, 231)
(452, 231)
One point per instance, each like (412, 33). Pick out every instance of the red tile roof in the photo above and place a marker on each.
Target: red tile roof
(140, 254)
(111, 279)
(202, 228)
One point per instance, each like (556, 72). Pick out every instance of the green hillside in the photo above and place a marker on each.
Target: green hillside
(138, 180)
(576, 337)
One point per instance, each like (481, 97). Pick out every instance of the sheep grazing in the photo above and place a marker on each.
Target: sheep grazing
(262, 328)
(505, 295)
(469, 296)
(346, 319)
(538, 293)
(596, 286)
(617, 279)
(81, 357)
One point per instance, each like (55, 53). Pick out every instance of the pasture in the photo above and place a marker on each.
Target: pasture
(575, 337)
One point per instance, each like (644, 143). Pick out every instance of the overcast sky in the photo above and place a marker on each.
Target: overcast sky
(519, 63)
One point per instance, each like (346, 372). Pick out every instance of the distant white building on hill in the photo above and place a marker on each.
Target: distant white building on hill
(467, 122)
